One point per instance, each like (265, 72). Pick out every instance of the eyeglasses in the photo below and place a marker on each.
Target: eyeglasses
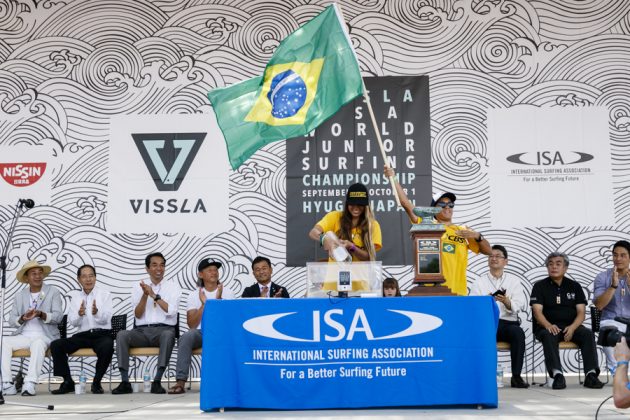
(443, 204)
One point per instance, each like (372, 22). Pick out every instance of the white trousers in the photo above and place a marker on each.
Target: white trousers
(611, 362)
(37, 347)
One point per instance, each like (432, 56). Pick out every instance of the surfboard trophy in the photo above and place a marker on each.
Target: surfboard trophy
(427, 246)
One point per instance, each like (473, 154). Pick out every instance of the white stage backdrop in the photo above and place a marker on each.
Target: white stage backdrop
(68, 69)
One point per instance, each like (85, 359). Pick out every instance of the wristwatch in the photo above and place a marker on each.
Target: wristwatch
(481, 238)
(156, 298)
(614, 287)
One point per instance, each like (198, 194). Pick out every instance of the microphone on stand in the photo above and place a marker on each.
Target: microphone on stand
(29, 204)
(26, 202)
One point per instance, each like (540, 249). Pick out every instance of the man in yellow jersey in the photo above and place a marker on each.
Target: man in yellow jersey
(456, 241)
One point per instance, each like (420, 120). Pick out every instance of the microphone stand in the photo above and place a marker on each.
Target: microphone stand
(19, 209)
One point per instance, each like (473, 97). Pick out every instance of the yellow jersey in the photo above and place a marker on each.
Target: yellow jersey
(332, 222)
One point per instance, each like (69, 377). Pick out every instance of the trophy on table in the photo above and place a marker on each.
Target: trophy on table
(427, 251)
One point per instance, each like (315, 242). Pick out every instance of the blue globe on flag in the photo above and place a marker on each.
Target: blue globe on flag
(287, 94)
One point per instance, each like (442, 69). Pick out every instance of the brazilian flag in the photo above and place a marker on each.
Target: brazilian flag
(312, 74)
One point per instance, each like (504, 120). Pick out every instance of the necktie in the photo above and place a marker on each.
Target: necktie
(264, 291)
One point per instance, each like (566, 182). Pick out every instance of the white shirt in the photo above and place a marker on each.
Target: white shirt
(102, 319)
(262, 286)
(487, 285)
(169, 291)
(195, 303)
(34, 327)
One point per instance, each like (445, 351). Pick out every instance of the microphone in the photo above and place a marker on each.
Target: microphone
(26, 202)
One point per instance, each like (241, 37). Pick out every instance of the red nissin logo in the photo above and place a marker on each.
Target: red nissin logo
(22, 174)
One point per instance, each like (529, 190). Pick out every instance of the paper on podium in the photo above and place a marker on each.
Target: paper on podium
(323, 277)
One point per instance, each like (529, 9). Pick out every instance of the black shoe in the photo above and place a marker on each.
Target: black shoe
(66, 387)
(559, 382)
(592, 381)
(157, 388)
(19, 381)
(96, 388)
(518, 382)
(123, 388)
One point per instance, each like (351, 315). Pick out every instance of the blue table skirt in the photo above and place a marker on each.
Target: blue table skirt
(349, 353)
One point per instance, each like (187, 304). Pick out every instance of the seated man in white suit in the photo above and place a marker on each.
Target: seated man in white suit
(36, 313)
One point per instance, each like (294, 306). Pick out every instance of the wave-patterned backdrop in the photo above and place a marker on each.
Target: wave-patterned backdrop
(67, 67)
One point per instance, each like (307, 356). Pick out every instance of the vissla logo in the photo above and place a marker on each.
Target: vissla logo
(22, 174)
(168, 156)
(334, 321)
(548, 158)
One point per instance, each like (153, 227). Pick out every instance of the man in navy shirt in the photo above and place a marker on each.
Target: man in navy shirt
(559, 306)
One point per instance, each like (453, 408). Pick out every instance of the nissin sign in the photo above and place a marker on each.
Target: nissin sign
(336, 325)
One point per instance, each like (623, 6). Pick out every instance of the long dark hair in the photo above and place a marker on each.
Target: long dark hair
(366, 220)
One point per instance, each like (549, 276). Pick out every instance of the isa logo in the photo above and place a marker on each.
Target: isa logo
(337, 325)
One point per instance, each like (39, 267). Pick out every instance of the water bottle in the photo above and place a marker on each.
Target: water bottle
(82, 382)
(499, 375)
(147, 381)
(338, 252)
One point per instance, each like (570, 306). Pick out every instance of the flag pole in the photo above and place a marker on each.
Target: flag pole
(366, 96)
(392, 181)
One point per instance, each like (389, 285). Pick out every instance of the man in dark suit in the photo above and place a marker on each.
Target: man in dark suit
(264, 287)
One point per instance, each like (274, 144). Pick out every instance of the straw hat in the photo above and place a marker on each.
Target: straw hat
(21, 275)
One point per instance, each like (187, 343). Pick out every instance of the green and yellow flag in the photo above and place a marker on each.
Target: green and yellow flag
(312, 74)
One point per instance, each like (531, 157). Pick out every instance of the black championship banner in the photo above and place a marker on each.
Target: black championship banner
(344, 150)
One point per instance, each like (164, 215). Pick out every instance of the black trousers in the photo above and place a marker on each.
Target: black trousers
(511, 332)
(584, 339)
(99, 341)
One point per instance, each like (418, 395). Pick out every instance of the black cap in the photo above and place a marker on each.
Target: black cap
(357, 195)
(207, 262)
(448, 195)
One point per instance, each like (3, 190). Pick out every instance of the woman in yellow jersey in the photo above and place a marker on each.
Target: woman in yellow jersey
(355, 226)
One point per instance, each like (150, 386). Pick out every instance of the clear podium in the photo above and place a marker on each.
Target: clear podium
(353, 278)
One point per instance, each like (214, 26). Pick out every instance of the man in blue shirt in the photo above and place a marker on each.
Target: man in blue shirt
(611, 293)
